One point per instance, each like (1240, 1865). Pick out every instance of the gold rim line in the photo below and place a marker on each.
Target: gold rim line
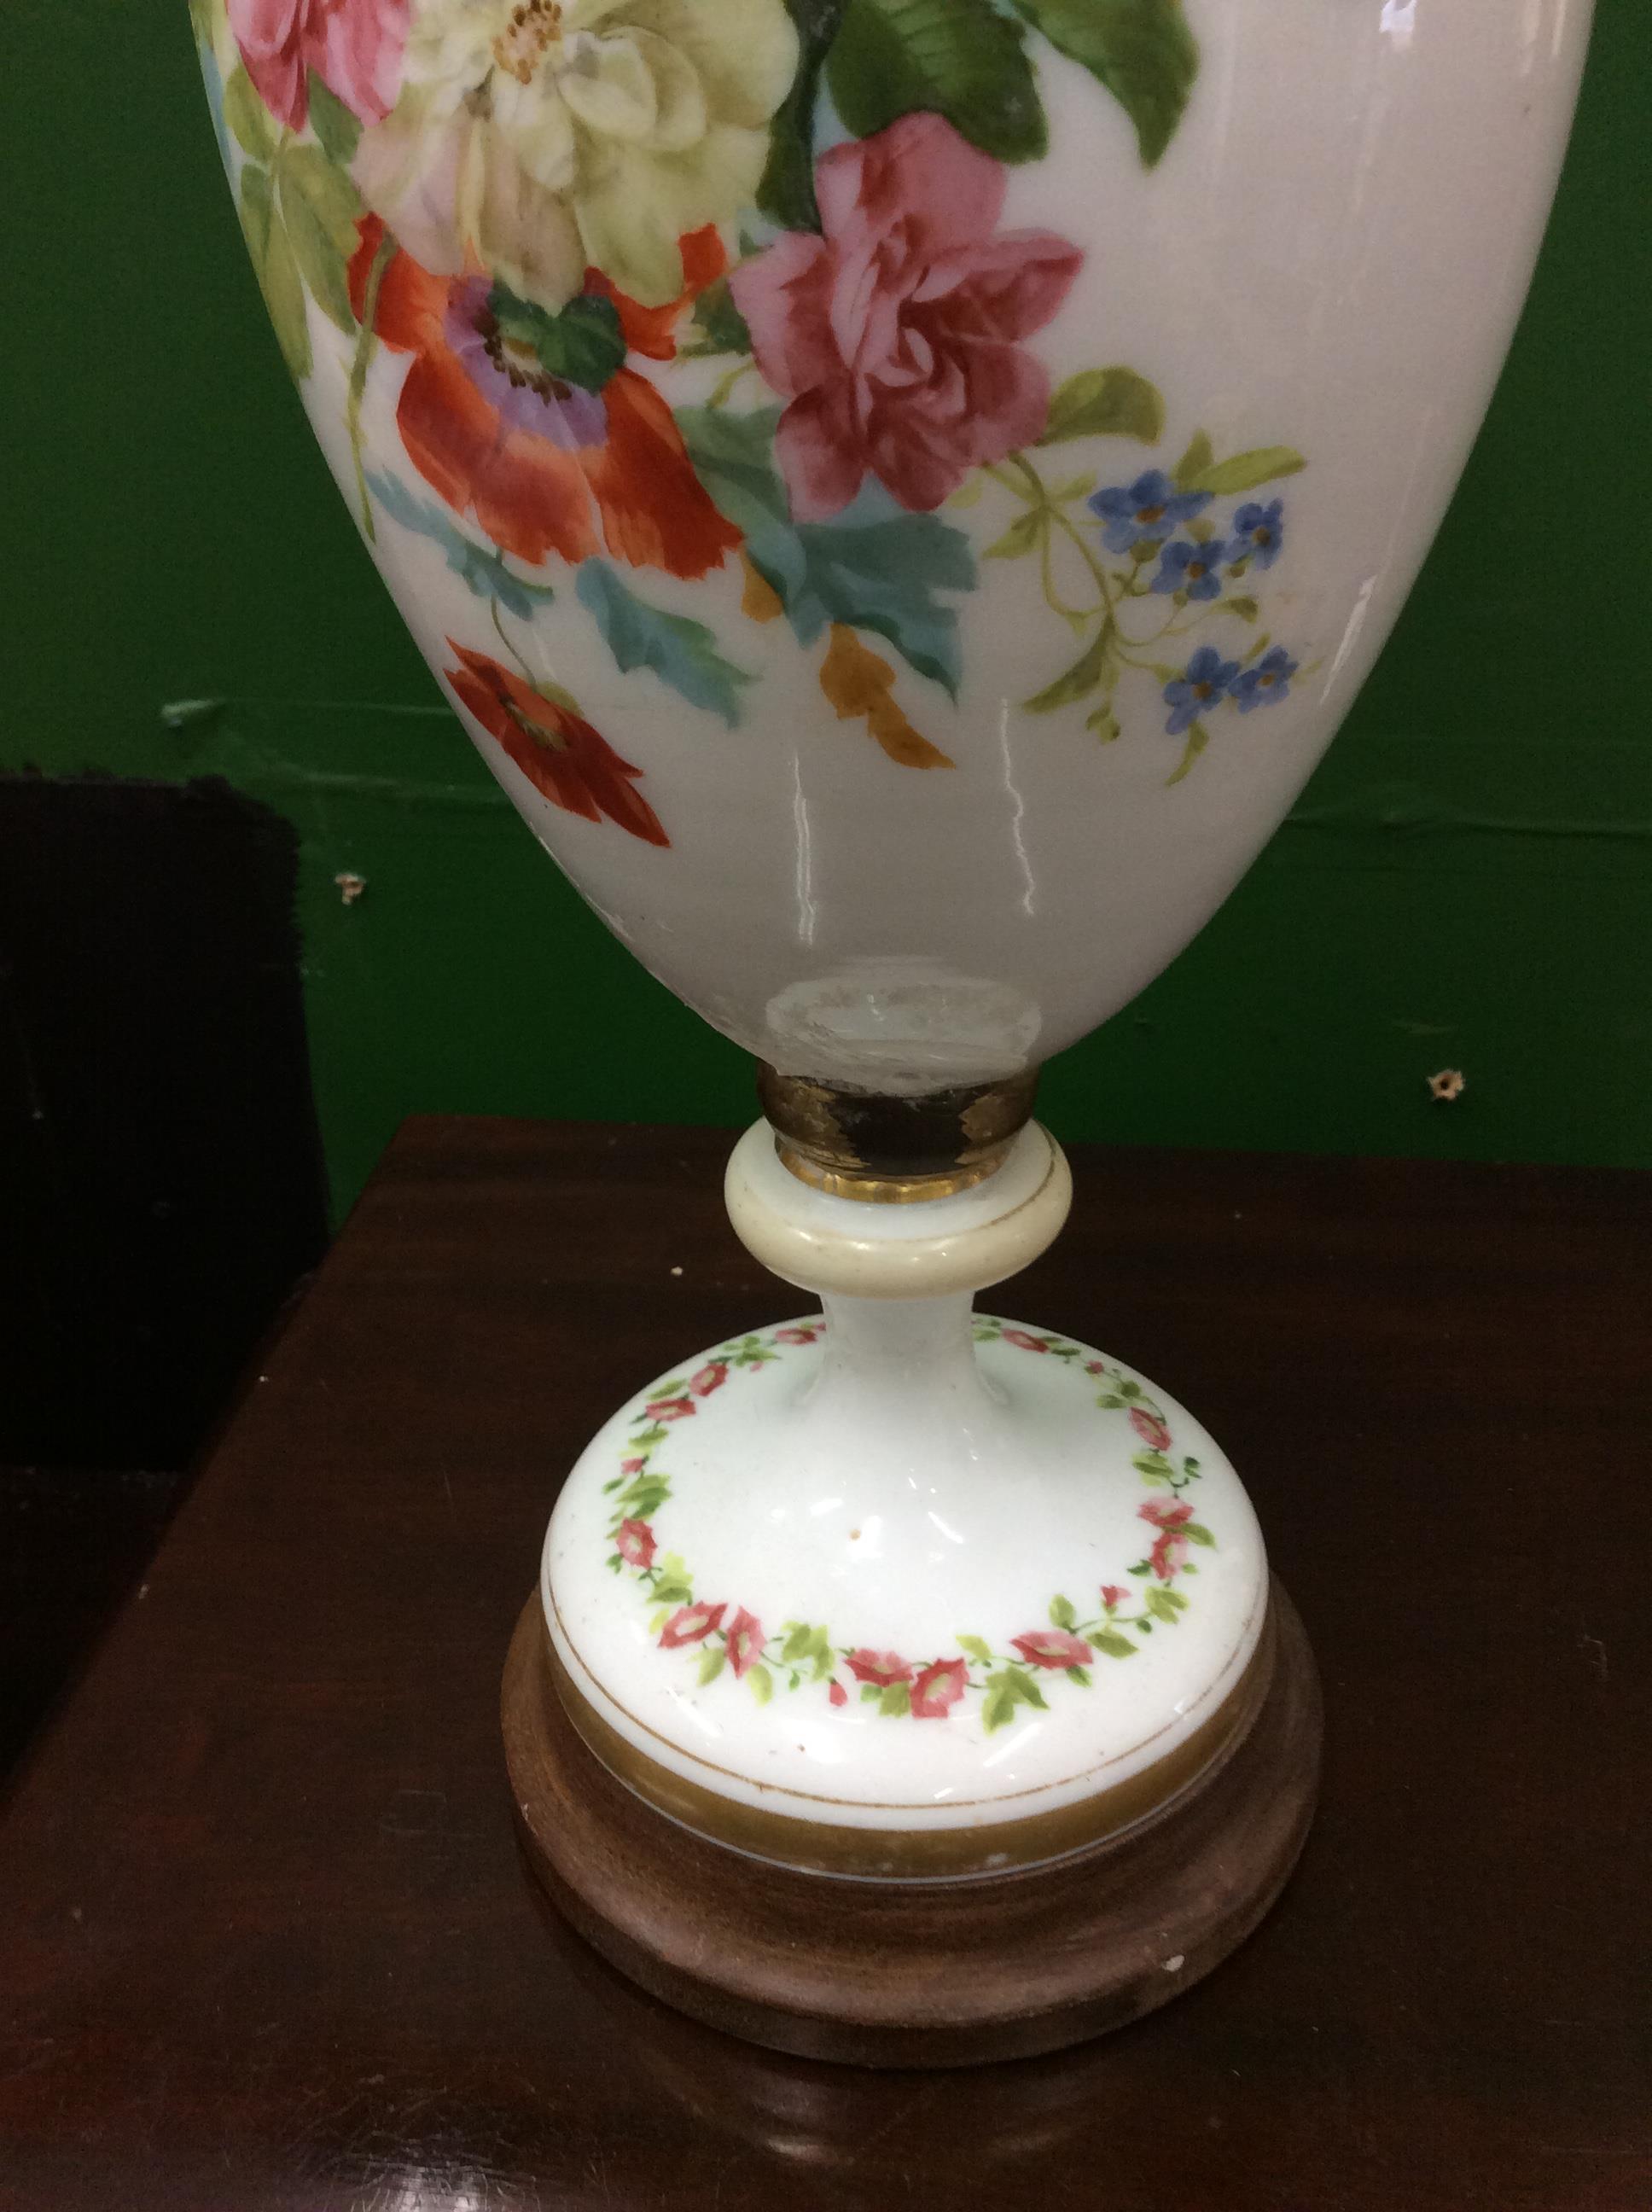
(905, 1854)
(882, 1149)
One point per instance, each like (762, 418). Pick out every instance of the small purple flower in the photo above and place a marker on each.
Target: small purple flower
(1204, 684)
(1151, 508)
(1195, 570)
(1257, 533)
(1266, 684)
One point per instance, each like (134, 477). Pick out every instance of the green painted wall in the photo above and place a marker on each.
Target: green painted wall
(1465, 882)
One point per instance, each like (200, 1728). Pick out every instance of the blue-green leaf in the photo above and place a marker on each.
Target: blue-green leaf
(681, 651)
(874, 567)
(481, 568)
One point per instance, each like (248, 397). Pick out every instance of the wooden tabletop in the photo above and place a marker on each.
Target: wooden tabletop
(266, 1944)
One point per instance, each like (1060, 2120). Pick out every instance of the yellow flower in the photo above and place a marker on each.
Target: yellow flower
(541, 137)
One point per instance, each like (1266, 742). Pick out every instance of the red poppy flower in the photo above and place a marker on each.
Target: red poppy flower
(1112, 1594)
(1149, 1427)
(669, 1409)
(691, 1624)
(635, 1543)
(573, 765)
(883, 1667)
(797, 1335)
(711, 1376)
(745, 1640)
(938, 1689)
(1027, 1343)
(1053, 1647)
(545, 464)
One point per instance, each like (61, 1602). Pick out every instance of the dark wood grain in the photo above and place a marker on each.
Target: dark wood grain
(266, 1945)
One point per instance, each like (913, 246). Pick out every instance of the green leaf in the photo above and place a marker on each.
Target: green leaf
(1105, 724)
(1193, 463)
(977, 1649)
(798, 1643)
(1151, 1463)
(874, 567)
(1025, 1688)
(762, 1682)
(787, 191)
(1141, 50)
(583, 344)
(1115, 1645)
(674, 1589)
(1062, 1612)
(958, 59)
(1198, 738)
(1080, 1675)
(1023, 535)
(1111, 1401)
(870, 1693)
(313, 196)
(658, 1619)
(719, 325)
(248, 118)
(339, 131)
(1079, 681)
(999, 1706)
(1197, 1533)
(481, 569)
(1105, 403)
(1246, 609)
(1246, 470)
(1159, 1605)
(681, 651)
(894, 1700)
(711, 1662)
(330, 192)
(278, 271)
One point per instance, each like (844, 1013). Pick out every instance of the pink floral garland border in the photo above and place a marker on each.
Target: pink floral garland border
(727, 1635)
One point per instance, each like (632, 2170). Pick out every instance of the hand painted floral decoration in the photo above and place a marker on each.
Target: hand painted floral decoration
(725, 289)
(1112, 1623)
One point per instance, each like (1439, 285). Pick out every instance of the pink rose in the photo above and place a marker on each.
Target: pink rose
(1112, 1595)
(635, 1543)
(1149, 1427)
(745, 1640)
(669, 1409)
(632, 1466)
(1167, 1555)
(799, 1335)
(1019, 1336)
(711, 1376)
(1171, 1549)
(691, 1624)
(1164, 1514)
(1095, 1367)
(837, 1694)
(880, 1667)
(1053, 1647)
(938, 1689)
(354, 47)
(894, 336)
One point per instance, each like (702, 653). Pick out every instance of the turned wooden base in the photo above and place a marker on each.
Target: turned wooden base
(917, 1973)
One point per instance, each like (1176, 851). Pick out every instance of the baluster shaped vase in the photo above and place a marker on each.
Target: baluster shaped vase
(900, 492)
